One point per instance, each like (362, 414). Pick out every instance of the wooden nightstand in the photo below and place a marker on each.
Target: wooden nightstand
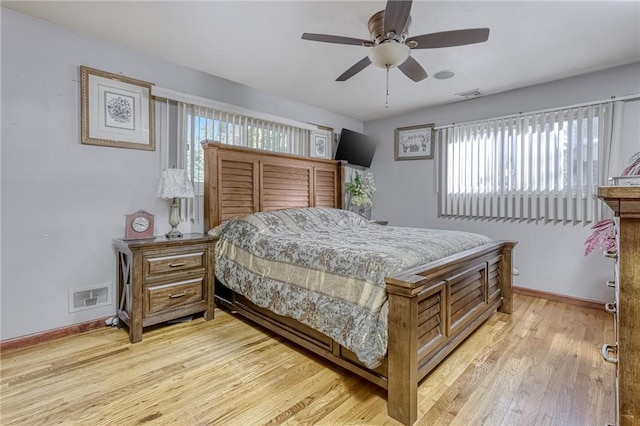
(161, 279)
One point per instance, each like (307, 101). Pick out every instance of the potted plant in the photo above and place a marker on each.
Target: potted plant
(360, 190)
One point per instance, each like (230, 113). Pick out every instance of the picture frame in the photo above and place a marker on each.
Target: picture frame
(116, 111)
(321, 143)
(414, 142)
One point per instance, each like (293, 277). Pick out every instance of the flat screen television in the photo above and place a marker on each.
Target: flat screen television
(355, 148)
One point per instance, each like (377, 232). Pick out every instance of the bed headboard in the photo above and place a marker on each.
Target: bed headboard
(240, 180)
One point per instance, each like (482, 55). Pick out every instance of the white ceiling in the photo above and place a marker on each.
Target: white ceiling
(258, 44)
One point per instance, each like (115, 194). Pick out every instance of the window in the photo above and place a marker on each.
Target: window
(201, 124)
(530, 167)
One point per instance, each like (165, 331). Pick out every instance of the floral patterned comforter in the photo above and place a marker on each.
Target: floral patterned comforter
(326, 268)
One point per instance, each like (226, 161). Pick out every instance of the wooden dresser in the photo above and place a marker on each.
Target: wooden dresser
(625, 351)
(161, 279)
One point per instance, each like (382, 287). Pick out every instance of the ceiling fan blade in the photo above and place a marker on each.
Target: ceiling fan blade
(326, 38)
(396, 15)
(412, 69)
(450, 38)
(354, 69)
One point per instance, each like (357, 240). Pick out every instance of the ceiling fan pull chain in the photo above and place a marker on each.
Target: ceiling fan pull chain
(386, 100)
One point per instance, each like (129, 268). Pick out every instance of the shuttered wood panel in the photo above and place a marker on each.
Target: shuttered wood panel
(241, 180)
(237, 188)
(325, 192)
(466, 294)
(493, 279)
(430, 327)
(285, 187)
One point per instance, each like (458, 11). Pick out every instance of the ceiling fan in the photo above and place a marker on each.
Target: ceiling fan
(390, 45)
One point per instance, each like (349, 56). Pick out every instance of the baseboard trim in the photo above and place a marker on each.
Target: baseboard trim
(585, 303)
(57, 333)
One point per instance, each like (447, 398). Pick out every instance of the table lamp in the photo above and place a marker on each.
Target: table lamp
(175, 184)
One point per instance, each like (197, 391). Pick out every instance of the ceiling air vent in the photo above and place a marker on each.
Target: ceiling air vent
(474, 93)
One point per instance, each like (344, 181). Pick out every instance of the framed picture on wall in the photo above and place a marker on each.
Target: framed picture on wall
(116, 111)
(414, 143)
(321, 143)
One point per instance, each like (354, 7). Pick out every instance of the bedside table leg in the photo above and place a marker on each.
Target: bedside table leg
(137, 299)
(135, 334)
(211, 285)
(211, 305)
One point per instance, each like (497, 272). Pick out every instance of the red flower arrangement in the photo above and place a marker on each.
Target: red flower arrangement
(604, 232)
(602, 237)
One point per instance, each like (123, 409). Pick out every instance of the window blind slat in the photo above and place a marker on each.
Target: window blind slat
(534, 167)
(495, 167)
(500, 171)
(473, 206)
(510, 169)
(588, 196)
(554, 165)
(444, 158)
(547, 190)
(482, 164)
(580, 122)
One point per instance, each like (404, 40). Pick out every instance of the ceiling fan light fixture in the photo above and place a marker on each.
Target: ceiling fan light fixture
(389, 54)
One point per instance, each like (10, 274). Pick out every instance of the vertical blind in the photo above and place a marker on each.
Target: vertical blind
(197, 124)
(538, 166)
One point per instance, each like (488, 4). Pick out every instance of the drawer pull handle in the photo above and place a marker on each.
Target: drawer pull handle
(177, 265)
(611, 283)
(611, 254)
(605, 353)
(175, 296)
(610, 308)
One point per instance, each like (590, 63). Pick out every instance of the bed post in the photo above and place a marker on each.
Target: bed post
(506, 277)
(211, 211)
(342, 174)
(402, 390)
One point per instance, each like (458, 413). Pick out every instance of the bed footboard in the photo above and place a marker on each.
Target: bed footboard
(433, 308)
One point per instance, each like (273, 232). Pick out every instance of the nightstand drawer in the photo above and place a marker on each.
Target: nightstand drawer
(160, 265)
(168, 296)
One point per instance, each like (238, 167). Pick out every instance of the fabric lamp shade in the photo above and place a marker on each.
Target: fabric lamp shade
(175, 183)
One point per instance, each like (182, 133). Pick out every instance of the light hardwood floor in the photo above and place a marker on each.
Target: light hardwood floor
(540, 366)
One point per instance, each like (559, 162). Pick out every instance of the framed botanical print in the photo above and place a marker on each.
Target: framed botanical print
(321, 143)
(116, 111)
(414, 143)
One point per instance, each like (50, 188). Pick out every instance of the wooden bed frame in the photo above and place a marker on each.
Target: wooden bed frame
(432, 307)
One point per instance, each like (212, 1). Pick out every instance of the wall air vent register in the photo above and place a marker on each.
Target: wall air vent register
(81, 299)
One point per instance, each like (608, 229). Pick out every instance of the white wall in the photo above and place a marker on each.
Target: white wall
(63, 202)
(550, 257)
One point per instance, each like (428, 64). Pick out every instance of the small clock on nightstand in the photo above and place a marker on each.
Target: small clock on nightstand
(138, 225)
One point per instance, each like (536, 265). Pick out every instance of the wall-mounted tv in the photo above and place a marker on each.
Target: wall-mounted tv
(355, 148)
